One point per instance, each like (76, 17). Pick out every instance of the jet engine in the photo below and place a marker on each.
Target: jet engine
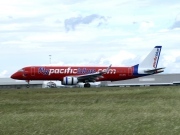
(69, 80)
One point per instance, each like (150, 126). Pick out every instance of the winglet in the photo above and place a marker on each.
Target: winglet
(107, 70)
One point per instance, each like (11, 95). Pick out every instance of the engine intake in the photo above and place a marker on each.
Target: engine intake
(70, 80)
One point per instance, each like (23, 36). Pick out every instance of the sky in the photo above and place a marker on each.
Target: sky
(88, 32)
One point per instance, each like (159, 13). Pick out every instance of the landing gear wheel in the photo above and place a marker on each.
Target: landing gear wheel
(87, 85)
(27, 86)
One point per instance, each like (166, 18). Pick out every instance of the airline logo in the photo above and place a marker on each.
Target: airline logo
(70, 70)
(156, 57)
(43, 71)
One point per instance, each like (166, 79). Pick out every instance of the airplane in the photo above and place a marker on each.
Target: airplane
(72, 75)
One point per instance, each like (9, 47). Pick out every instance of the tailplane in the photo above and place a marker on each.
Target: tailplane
(150, 63)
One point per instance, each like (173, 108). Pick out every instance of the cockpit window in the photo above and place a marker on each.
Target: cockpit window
(21, 70)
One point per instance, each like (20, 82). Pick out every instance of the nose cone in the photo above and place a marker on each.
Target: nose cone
(14, 76)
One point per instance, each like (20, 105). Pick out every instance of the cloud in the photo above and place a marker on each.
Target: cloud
(176, 25)
(146, 25)
(128, 59)
(3, 74)
(177, 59)
(177, 22)
(71, 23)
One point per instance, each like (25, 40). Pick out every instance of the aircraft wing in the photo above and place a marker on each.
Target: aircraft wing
(93, 76)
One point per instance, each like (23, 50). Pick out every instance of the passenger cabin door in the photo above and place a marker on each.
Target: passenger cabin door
(130, 73)
(32, 71)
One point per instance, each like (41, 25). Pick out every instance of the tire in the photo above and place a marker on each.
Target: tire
(87, 85)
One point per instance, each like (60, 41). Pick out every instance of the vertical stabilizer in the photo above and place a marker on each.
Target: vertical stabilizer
(151, 61)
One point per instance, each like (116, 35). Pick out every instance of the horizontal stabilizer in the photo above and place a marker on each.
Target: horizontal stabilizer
(157, 70)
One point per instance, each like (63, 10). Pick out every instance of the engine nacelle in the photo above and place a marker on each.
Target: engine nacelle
(69, 80)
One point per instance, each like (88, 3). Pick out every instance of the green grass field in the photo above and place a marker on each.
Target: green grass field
(93, 111)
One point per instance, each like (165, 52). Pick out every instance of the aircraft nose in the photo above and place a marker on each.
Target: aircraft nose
(14, 76)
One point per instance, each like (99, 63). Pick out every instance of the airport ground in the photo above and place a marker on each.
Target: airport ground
(93, 111)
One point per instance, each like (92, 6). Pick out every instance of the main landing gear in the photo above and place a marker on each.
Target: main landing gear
(27, 86)
(87, 85)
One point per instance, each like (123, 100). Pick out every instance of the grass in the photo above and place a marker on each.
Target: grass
(94, 111)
